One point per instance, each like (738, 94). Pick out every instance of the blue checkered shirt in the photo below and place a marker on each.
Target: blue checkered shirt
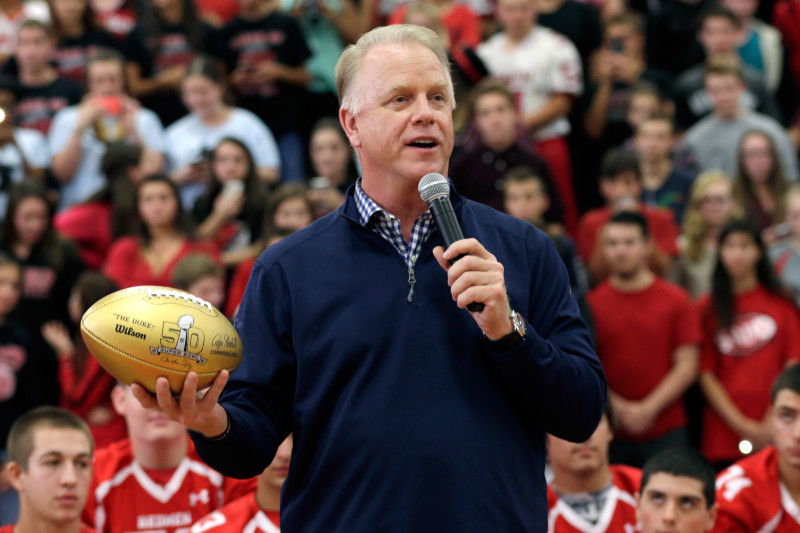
(388, 226)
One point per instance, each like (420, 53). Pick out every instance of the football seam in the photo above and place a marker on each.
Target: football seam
(129, 356)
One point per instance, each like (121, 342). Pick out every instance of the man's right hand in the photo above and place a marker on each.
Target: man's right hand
(88, 112)
(198, 411)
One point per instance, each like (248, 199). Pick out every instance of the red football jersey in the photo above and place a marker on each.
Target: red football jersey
(124, 497)
(765, 335)
(751, 497)
(242, 515)
(618, 514)
(637, 334)
(10, 529)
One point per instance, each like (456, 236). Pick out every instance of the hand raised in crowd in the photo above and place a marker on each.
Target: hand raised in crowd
(197, 410)
(57, 336)
(478, 277)
(268, 72)
(89, 111)
(130, 108)
(229, 204)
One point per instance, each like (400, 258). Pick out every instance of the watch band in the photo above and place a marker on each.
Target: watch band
(511, 340)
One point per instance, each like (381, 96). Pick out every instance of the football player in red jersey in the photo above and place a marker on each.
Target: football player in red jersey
(260, 511)
(50, 465)
(762, 492)
(586, 493)
(154, 479)
(677, 494)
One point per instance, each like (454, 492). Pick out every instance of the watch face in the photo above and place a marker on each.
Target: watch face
(519, 324)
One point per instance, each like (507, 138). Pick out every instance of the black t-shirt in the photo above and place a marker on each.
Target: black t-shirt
(277, 37)
(36, 106)
(73, 53)
(173, 47)
(16, 353)
(578, 22)
(671, 36)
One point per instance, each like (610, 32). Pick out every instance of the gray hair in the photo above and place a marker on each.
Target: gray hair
(352, 59)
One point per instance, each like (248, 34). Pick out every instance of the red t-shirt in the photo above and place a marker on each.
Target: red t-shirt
(243, 514)
(124, 497)
(751, 497)
(618, 514)
(89, 226)
(126, 266)
(10, 529)
(660, 224)
(764, 337)
(637, 335)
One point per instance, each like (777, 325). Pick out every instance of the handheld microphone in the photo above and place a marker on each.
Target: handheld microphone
(435, 191)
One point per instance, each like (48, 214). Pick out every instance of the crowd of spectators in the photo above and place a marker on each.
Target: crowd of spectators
(169, 142)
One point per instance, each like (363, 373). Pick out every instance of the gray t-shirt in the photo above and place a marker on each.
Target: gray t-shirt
(786, 262)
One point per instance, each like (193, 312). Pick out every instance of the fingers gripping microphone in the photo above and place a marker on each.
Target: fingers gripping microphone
(435, 191)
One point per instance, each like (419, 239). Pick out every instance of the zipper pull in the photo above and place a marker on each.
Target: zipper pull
(412, 280)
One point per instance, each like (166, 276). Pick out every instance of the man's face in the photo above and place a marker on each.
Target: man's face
(517, 17)
(496, 120)
(785, 420)
(34, 48)
(150, 426)
(54, 487)
(525, 200)
(724, 91)
(404, 129)
(674, 504)
(625, 248)
(584, 459)
(654, 140)
(105, 78)
(641, 107)
(718, 35)
(620, 188)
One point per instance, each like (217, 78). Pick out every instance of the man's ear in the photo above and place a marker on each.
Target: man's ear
(119, 397)
(14, 473)
(712, 517)
(348, 122)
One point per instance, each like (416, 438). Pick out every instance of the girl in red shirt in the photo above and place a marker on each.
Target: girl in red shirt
(164, 237)
(751, 332)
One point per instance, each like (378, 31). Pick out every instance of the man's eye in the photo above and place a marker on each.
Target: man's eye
(688, 503)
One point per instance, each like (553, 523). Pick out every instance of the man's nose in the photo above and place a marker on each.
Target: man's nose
(423, 112)
(69, 476)
(669, 515)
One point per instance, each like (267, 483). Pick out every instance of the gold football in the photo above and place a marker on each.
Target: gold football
(141, 333)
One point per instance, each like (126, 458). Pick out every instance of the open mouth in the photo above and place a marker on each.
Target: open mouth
(423, 143)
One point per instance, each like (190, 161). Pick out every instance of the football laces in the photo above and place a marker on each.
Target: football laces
(178, 295)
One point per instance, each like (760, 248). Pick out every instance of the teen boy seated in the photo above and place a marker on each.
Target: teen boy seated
(762, 492)
(677, 493)
(50, 466)
(154, 479)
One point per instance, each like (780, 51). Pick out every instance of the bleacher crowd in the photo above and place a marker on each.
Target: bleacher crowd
(169, 142)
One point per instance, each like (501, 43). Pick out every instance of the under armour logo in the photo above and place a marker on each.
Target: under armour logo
(201, 497)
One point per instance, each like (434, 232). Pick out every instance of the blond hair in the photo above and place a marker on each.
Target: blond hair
(352, 59)
(694, 227)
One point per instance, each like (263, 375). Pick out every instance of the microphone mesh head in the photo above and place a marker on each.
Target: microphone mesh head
(432, 186)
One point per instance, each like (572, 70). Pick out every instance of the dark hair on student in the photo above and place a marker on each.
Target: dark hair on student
(279, 196)
(255, 199)
(206, 66)
(682, 462)
(88, 21)
(717, 11)
(21, 439)
(522, 174)
(154, 24)
(51, 243)
(626, 18)
(631, 218)
(618, 161)
(490, 87)
(723, 301)
(119, 190)
(182, 221)
(789, 379)
(194, 267)
(90, 286)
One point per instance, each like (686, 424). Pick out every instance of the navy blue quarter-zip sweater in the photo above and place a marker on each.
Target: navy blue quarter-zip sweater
(403, 418)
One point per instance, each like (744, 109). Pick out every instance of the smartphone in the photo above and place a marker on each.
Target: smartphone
(233, 189)
(320, 182)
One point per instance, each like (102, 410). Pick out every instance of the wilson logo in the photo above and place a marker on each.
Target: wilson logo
(129, 331)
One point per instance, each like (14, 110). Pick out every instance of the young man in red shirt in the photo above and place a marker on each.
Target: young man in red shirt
(647, 338)
(762, 492)
(587, 494)
(50, 465)
(154, 480)
(621, 187)
(677, 494)
(258, 512)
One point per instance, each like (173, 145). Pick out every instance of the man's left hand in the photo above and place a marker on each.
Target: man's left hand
(478, 277)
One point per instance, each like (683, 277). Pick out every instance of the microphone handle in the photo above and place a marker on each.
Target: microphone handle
(447, 224)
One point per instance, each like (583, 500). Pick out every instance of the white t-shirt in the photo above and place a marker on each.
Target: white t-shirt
(543, 64)
(88, 179)
(35, 151)
(189, 137)
(31, 9)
